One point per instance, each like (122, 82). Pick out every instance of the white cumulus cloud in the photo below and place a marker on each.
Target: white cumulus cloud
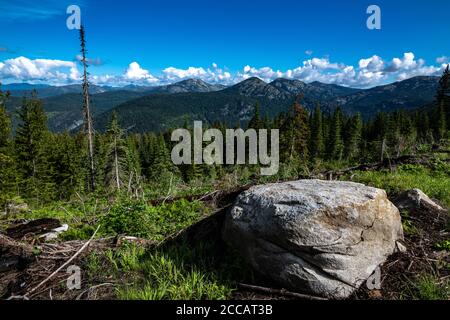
(368, 72)
(135, 72)
(52, 71)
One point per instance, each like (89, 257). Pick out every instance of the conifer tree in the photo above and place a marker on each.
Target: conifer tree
(146, 149)
(336, 143)
(317, 139)
(295, 133)
(353, 134)
(443, 101)
(440, 122)
(267, 124)
(256, 122)
(134, 167)
(161, 162)
(6, 159)
(30, 141)
(422, 124)
(441, 114)
(117, 162)
(65, 160)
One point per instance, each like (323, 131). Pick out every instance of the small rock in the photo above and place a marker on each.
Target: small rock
(401, 247)
(16, 208)
(416, 199)
(375, 294)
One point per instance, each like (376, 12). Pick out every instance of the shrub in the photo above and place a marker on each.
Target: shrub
(170, 218)
(135, 218)
(78, 232)
(128, 217)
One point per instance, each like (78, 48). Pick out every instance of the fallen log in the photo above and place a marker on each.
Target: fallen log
(219, 197)
(35, 227)
(14, 255)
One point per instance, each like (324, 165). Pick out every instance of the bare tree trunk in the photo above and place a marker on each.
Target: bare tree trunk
(116, 164)
(383, 145)
(88, 126)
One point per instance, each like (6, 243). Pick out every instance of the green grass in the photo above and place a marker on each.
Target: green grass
(177, 272)
(168, 278)
(409, 229)
(434, 182)
(428, 287)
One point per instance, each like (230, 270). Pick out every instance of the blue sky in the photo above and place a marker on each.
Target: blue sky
(160, 41)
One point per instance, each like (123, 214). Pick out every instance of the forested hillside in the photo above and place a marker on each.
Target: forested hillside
(143, 109)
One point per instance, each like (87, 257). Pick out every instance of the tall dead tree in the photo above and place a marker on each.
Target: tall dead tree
(88, 126)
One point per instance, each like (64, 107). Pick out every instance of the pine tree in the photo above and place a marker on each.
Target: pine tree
(443, 102)
(5, 121)
(422, 124)
(194, 172)
(161, 162)
(117, 161)
(295, 133)
(440, 122)
(30, 141)
(267, 124)
(256, 122)
(134, 166)
(317, 139)
(353, 135)
(6, 160)
(336, 143)
(65, 161)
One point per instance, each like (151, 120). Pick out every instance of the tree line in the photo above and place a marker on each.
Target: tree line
(42, 166)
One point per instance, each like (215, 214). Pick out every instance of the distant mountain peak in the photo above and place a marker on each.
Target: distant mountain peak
(192, 81)
(188, 85)
(284, 80)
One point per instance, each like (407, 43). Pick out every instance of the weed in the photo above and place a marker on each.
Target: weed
(443, 245)
(428, 287)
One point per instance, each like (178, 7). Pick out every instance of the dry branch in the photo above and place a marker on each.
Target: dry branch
(64, 265)
(280, 292)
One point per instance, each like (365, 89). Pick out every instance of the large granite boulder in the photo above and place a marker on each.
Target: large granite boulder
(321, 237)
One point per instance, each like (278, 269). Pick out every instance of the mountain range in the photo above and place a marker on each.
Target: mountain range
(155, 108)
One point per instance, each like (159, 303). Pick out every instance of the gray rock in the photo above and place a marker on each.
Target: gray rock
(416, 199)
(16, 208)
(401, 247)
(321, 237)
